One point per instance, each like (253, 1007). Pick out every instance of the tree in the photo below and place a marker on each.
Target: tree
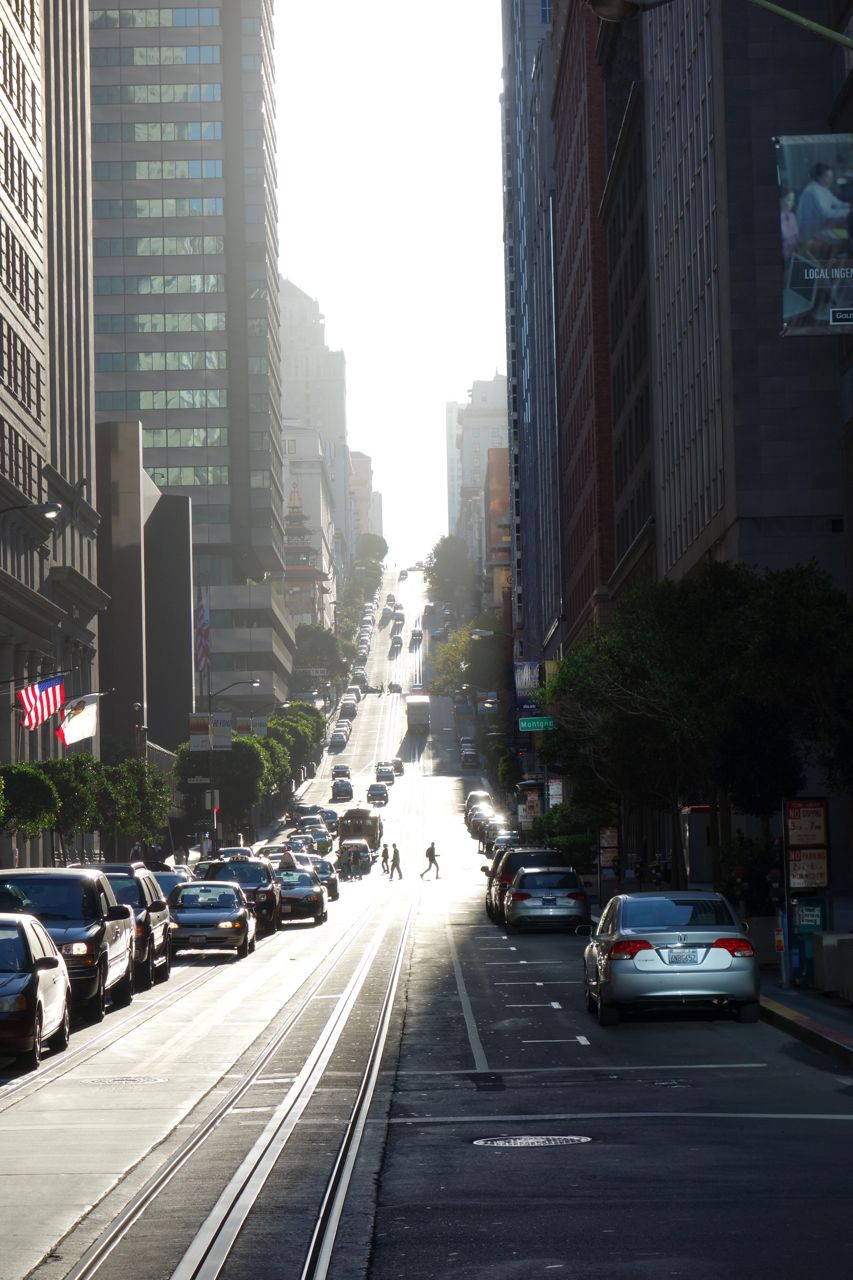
(32, 801)
(449, 572)
(317, 647)
(277, 773)
(77, 780)
(370, 546)
(238, 776)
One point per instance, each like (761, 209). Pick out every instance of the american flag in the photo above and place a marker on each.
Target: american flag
(41, 700)
(202, 630)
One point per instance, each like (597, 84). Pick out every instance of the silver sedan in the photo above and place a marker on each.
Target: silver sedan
(676, 949)
(550, 896)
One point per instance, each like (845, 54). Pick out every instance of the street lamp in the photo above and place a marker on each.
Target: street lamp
(253, 684)
(48, 510)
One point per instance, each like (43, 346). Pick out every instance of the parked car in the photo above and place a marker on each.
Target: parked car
(397, 765)
(303, 896)
(377, 793)
(330, 817)
(321, 837)
(385, 773)
(468, 758)
(337, 740)
(328, 877)
(348, 711)
(256, 878)
(501, 873)
(213, 916)
(93, 933)
(341, 789)
(168, 879)
(35, 991)
(136, 886)
(551, 896)
(670, 949)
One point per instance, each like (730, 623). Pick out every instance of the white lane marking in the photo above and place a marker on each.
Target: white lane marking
(551, 982)
(498, 948)
(474, 1040)
(555, 1004)
(571, 1040)
(550, 1005)
(552, 1117)
(492, 963)
(613, 1068)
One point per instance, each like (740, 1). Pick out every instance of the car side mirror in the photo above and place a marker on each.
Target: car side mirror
(159, 904)
(119, 912)
(744, 924)
(47, 962)
(485, 870)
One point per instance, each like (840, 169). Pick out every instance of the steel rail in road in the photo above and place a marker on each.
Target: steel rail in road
(210, 1249)
(325, 1232)
(100, 1250)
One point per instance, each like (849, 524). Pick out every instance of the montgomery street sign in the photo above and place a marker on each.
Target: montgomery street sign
(533, 724)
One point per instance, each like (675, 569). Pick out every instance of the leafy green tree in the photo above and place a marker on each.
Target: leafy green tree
(238, 775)
(277, 774)
(449, 572)
(32, 801)
(76, 779)
(317, 647)
(149, 798)
(370, 546)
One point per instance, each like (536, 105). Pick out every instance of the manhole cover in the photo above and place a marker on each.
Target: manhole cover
(120, 1080)
(570, 1140)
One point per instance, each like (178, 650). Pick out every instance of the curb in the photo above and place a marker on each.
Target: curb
(808, 1030)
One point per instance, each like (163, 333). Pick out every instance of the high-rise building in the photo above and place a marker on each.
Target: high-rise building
(481, 425)
(313, 389)
(362, 492)
(186, 298)
(528, 163)
(311, 599)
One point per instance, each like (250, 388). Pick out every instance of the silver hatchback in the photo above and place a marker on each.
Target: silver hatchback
(549, 896)
(680, 948)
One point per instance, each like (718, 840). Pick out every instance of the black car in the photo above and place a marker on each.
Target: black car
(93, 933)
(328, 877)
(136, 886)
(35, 991)
(342, 789)
(377, 793)
(257, 879)
(340, 771)
(302, 896)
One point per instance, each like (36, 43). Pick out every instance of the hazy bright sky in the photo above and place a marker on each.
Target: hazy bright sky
(390, 216)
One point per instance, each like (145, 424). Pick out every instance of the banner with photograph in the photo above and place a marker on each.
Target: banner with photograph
(528, 681)
(815, 176)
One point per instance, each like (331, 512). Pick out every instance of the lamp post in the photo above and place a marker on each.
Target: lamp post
(254, 684)
(49, 510)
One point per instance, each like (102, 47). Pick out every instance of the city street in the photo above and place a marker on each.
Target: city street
(506, 1133)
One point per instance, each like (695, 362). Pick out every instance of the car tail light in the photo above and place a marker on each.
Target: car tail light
(736, 946)
(518, 895)
(505, 880)
(627, 948)
(577, 897)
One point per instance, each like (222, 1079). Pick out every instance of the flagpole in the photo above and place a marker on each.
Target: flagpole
(48, 675)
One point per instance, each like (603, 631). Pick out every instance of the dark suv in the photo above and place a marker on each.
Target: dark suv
(134, 884)
(256, 878)
(504, 866)
(93, 933)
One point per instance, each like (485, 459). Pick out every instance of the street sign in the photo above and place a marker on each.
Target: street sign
(199, 781)
(533, 724)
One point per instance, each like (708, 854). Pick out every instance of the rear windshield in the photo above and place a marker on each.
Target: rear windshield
(241, 872)
(296, 879)
(167, 882)
(324, 868)
(49, 897)
(549, 880)
(126, 889)
(202, 898)
(517, 859)
(664, 913)
(12, 955)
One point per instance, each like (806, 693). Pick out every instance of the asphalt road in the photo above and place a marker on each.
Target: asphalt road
(510, 1135)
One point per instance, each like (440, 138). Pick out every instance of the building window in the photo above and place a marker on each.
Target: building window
(160, 284)
(106, 95)
(155, 55)
(258, 365)
(183, 16)
(149, 170)
(179, 207)
(211, 513)
(160, 322)
(171, 398)
(186, 476)
(158, 361)
(259, 480)
(157, 246)
(184, 437)
(160, 131)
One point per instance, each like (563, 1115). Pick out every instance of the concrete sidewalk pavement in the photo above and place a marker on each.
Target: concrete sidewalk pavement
(823, 1021)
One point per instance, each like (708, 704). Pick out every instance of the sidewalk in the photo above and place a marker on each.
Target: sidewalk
(823, 1021)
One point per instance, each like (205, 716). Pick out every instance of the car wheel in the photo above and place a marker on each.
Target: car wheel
(608, 1014)
(96, 1005)
(252, 944)
(165, 971)
(318, 920)
(59, 1040)
(589, 1002)
(511, 928)
(146, 969)
(123, 989)
(30, 1060)
(243, 949)
(750, 1012)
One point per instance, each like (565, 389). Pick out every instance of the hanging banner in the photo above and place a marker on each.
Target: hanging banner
(815, 175)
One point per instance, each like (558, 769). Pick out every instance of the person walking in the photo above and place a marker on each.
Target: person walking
(395, 862)
(385, 859)
(432, 861)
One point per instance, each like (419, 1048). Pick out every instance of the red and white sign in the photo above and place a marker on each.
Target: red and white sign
(806, 821)
(808, 868)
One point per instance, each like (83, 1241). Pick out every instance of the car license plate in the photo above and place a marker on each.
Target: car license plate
(549, 902)
(685, 955)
